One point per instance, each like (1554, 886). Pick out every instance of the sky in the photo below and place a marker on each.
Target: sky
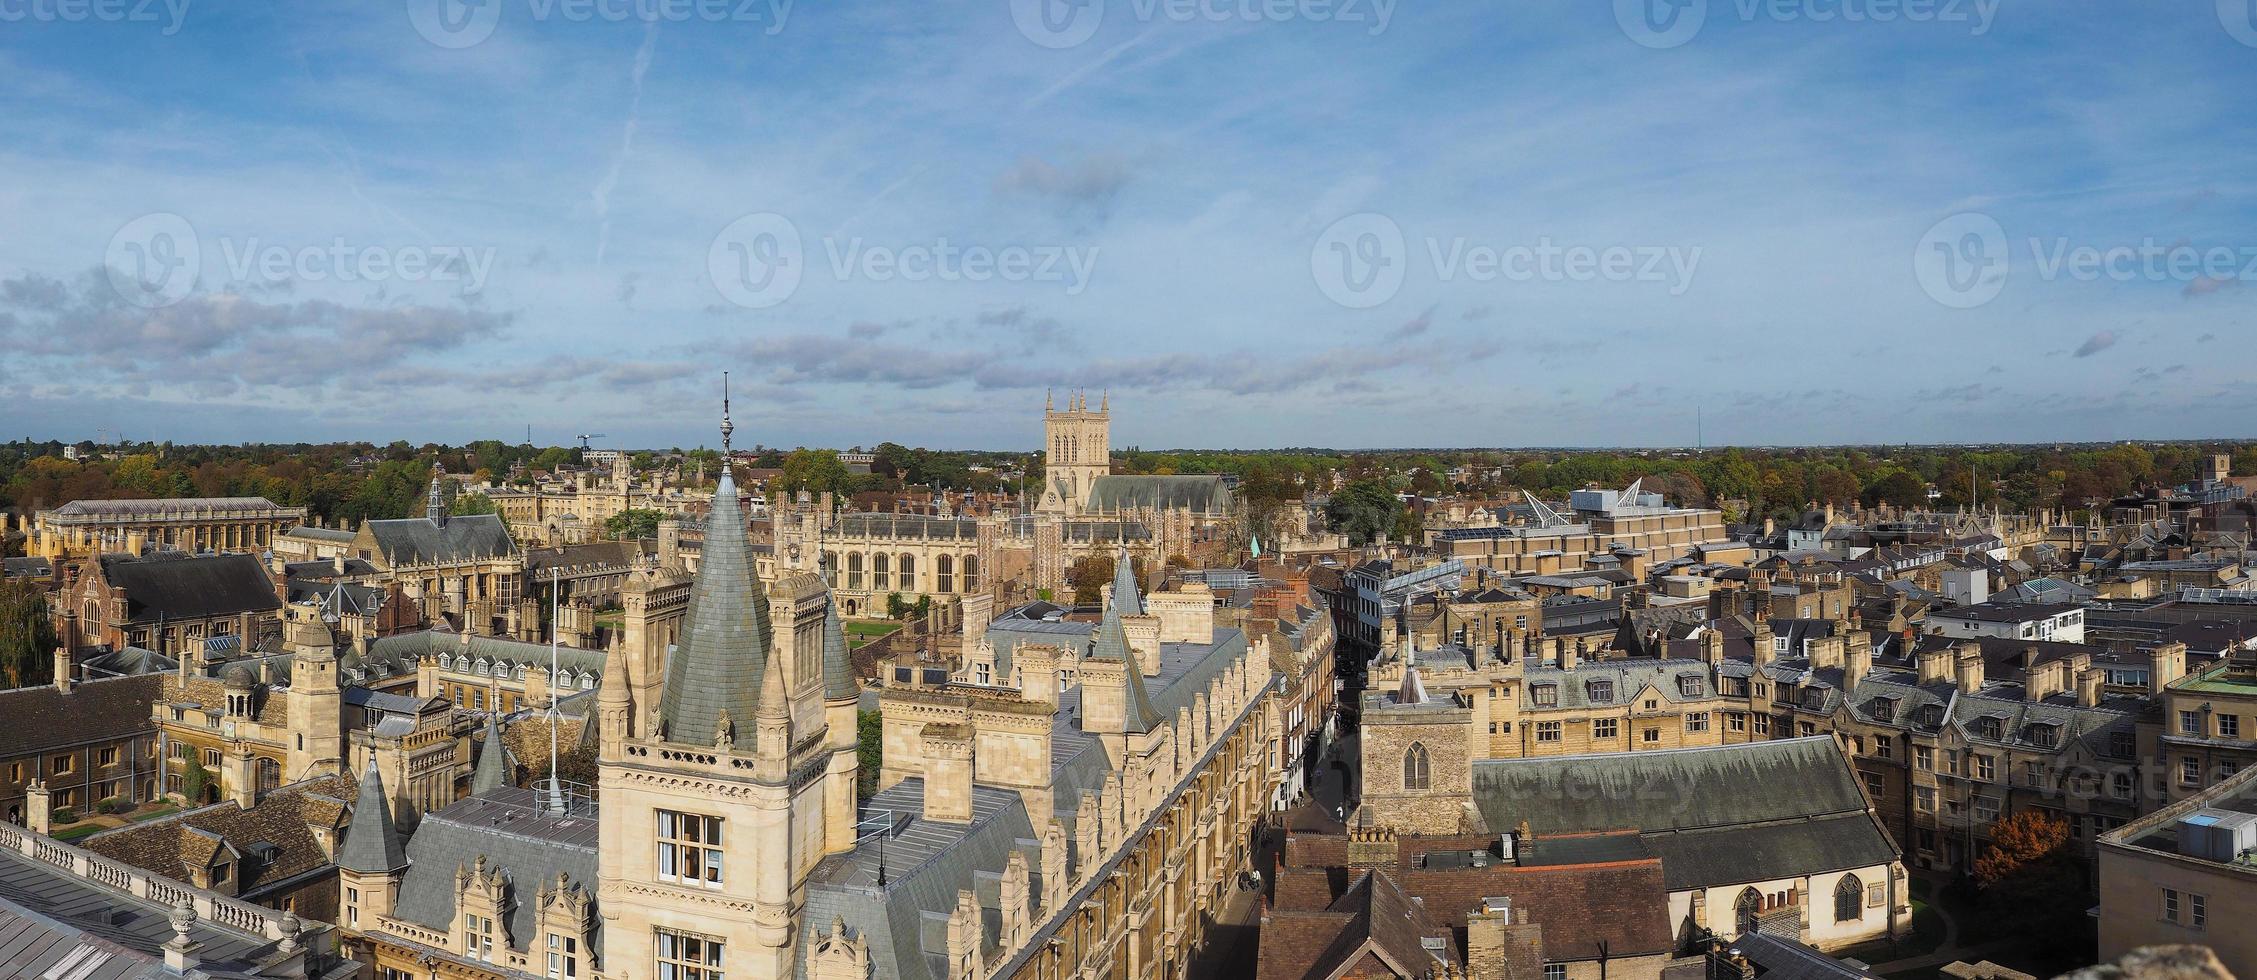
(1252, 223)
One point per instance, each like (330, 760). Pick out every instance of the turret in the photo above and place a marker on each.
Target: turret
(371, 859)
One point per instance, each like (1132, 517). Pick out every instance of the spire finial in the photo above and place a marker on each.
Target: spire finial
(435, 507)
(727, 426)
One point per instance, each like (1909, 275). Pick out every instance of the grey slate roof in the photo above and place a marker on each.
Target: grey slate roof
(1112, 644)
(1112, 494)
(1717, 816)
(421, 540)
(723, 651)
(177, 586)
(493, 760)
(838, 666)
(510, 830)
(372, 840)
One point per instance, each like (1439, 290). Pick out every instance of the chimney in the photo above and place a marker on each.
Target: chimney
(1568, 654)
(2167, 663)
(2088, 687)
(1038, 673)
(1970, 659)
(2046, 679)
(1857, 659)
(948, 772)
(1935, 666)
(63, 669)
(1712, 645)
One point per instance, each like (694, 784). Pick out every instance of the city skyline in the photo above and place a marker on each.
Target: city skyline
(574, 217)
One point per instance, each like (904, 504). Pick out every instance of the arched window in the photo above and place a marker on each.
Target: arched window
(1849, 899)
(881, 572)
(1417, 773)
(907, 566)
(854, 571)
(971, 567)
(1749, 910)
(269, 775)
(944, 574)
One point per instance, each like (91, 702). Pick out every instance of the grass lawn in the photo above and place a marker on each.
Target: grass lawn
(862, 632)
(152, 813)
(81, 829)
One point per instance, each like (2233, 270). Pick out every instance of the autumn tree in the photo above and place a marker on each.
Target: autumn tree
(2030, 877)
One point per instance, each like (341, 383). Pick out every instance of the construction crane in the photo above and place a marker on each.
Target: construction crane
(587, 436)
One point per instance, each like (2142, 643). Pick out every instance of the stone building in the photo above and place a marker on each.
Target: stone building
(277, 851)
(83, 528)
(1033, 830)
(82, 742)
(2185, 874)
(464, 570)
(1636, 525)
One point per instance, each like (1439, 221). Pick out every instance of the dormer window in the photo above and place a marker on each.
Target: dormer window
(1988, 728)
(1544, 695)
(2041, 735)
(1931, 715)
(1600, 692)
(1882, 709)
(1689, 686)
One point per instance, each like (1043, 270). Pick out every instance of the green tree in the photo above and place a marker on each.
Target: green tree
(467, 504)
(633, 523)
(195, 781)
(27, 635)
(1898, 488)
(1365, 510)
(869, 751)
(813, 470)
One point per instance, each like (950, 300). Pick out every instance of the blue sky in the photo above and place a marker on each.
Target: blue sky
(1256, 224)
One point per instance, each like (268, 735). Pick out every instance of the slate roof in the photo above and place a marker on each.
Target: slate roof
(166, 505)
(176, 586)
(1373, 917)
(423, 541)
(1112, 494)
(838, 662)
(29, 567)
(372, 843)
(718, 662)
(515, 835)
(43, 719)
(1717, 816)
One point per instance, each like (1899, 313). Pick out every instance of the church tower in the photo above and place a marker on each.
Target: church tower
(715, 798)
(1077, 449)
(315, 699)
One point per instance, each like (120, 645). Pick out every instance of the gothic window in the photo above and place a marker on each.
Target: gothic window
(881, 569)
(854, 571)
(1849, 899)
(971, 567)
(1417, 773)
(908, 569)
(944, 572)
(1749, 910)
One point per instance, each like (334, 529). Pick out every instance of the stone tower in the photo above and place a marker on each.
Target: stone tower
(315, 698)
(1077, 448)
(717, 797)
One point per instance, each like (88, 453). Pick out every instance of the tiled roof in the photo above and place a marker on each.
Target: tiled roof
(41, 719)
(170, 846)
(1112, 494)
(515, 836)
(421, 540)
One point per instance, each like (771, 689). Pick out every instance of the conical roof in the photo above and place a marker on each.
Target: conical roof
(1126, 597)
(493, 761)
(1112, 644)
(717, 664)
(838, 668)
(372, 841)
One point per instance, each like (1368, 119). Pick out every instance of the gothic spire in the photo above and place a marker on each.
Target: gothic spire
(1126, 597)
(493, 762)
(838, 668)
(723, 649)
(435, 507)
(372, 842)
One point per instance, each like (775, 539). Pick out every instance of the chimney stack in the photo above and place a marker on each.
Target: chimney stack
(2088, 687)
(948, 772)
(1970, 667)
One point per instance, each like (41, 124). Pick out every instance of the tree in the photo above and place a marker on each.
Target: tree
(633, 523)
(1897, 488)
(195, 782)
(27, 635)
(1365, 510)
(1091, 575)
(869, 751)
(2030, 878)
(467, 504)
(813, 470)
